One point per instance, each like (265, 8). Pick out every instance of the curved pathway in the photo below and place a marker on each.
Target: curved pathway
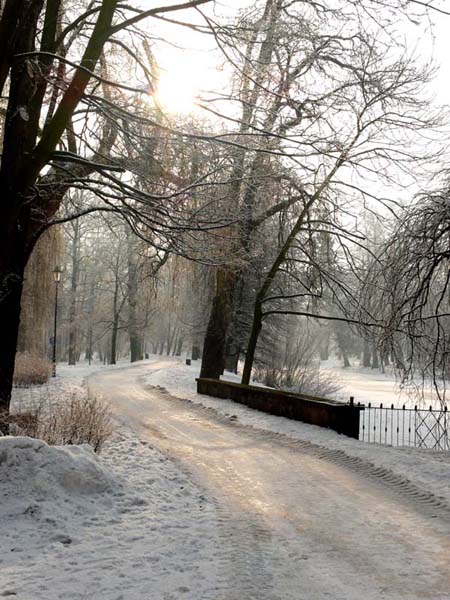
(296, 522)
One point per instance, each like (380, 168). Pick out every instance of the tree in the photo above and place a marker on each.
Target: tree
(44, 152)
(357, 113)
(318, 110)
(409, 283)
(37, 311)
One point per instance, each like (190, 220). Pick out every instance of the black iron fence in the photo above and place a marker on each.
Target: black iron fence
(417, 427)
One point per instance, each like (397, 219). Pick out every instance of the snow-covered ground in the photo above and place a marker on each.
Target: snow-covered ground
(131, 524)
(370, 385)
(69, 380)
(128, 525)
(427, 469)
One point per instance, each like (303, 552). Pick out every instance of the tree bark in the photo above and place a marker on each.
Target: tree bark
(213, 362)
(115, 329)
(73, 325)
(375, 359)
(134, 331)
(196, 351)
(11, 284)
(366, 354)
(179, 346)
(252, 342)
(324, 348)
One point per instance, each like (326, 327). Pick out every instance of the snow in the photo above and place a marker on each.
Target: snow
(69, 380)
(132, 524)
(371, 385)
(127, 525)
(427, 469)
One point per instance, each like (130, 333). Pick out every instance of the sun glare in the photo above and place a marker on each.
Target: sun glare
(177, 92)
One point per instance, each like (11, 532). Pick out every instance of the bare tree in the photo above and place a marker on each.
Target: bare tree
(49, 71)
(408, 283)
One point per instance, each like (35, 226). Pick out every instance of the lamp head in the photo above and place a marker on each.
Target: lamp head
(57, 274)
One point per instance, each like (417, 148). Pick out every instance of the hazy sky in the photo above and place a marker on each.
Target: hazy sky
(190, 59)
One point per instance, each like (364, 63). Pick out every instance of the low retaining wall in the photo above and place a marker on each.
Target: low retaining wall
(343, 418)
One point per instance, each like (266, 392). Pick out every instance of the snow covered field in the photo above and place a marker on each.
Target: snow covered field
(370, 385)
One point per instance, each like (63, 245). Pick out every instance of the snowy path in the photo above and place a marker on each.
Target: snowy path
(294, 522)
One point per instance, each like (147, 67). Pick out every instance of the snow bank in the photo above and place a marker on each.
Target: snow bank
(32, 470)
(126, 525)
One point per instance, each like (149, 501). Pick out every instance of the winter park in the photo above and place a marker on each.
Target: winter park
(224, 300)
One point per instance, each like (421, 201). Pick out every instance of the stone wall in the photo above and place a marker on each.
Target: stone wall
(343, 418)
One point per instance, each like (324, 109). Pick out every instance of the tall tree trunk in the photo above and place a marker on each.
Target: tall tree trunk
(213, 362)
(232, 352)
(252, 342)
(73, 325)
(179, 346)
(366, 353)
(116, 315)
(11, 284)
(346, 360)
(196, 351)
(324, 348)
(134, 331)
(115, 329)
(375, 360)
(90, 317)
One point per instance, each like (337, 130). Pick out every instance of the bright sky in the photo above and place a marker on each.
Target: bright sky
(189, 63)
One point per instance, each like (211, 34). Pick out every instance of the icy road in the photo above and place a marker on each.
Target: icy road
(294, 521)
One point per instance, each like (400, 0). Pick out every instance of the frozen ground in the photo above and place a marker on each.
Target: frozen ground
(212, 504)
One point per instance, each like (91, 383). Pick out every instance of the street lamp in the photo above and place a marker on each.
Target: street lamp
(57, 278)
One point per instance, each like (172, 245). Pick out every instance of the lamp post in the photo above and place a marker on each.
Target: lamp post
(57, 278)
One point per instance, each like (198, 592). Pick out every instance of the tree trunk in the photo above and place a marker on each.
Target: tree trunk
(11, 284)
(213, 362)
(115, 329)
(251, 347)
(324, 348)
(196, 351)
(179, 346)
(375, 361)
(168, 340)
(90, 318)
(89, 347)
(232, 353)
(134, 331)
(73, 294)
(366, 354)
